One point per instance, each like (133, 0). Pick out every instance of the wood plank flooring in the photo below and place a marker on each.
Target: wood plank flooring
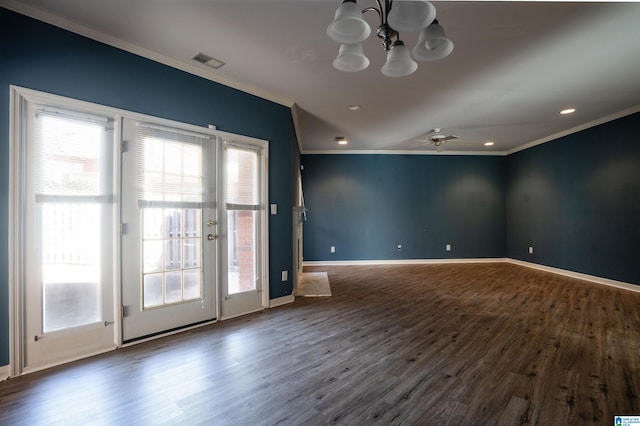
(456, 344)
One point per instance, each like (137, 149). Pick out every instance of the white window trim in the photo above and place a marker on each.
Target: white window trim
(18, 98)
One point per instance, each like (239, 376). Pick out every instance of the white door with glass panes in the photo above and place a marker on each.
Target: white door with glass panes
(169, 228)
(243, 225)
(67, 220)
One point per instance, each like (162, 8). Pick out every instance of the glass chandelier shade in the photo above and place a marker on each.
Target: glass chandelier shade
(432, 44)
(348, 26)
(399, 62)
(411, 15)
(351, 58)
(350, 29)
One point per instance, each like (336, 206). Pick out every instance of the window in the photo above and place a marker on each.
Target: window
(242, 201)
(170, 200)
(72, 181)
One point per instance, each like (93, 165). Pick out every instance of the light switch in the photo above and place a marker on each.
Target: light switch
(285, 275)
(274, 209)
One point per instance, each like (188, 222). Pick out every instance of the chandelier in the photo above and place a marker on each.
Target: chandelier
(350, 29)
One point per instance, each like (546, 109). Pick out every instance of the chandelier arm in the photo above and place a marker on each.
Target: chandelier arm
(377, 10)
(387, 9)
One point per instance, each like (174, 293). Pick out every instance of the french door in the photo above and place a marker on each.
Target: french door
(243, 225)
(169, 228)
(67, 234)
(124, 226)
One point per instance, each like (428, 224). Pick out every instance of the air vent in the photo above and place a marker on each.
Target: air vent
(208, 60)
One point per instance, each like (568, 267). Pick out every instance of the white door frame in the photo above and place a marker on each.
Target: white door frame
(19, 96)
(140, 323)
(263, 255)
(299, 215)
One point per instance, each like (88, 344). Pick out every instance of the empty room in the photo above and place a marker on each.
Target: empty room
(319, 212)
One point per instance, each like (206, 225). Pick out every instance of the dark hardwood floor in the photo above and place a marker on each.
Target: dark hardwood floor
(424, 344)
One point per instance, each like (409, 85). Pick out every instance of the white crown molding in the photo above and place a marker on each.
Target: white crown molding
(101, 37)
(44, 16)
(402, 152)
(576, 129)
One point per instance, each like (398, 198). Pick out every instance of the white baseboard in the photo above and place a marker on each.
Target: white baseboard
(578, 275)
(281, 301)
(401, 261)
(4, 372)
(564, 272)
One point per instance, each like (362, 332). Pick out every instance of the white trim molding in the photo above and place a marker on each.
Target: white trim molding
(402, 262)
(284, 300)
(99, 36)
(578, 275)
(4, 372)
(400, 152)
(558, 271)
(576, 129)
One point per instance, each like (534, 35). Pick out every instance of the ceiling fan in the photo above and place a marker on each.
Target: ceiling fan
(437, 139)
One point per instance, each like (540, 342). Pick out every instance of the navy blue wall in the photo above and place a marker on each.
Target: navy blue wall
(365, 205)
(576, 200)
(42, 57)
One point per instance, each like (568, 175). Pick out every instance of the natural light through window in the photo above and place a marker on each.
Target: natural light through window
(242, 203)
(170, 189)
(69, 192)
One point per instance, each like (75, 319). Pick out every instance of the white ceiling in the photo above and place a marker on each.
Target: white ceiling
(514, 67)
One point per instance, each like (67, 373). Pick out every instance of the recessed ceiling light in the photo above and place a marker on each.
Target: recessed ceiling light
(354, 107)
(341, 140)
(488, 143)
(568, 111)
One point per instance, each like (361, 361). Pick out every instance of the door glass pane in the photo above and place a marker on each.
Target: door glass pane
(70, 265)
(173, 282)
(68, 157)
(70, 180)
(242, 247)
(241, 180)
(171, 253)
(242, 197)
(170, 174)
(152, 290)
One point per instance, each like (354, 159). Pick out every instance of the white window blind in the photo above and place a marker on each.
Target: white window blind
(169, 166)
(242, 183)
(69, 150)
(72, 182)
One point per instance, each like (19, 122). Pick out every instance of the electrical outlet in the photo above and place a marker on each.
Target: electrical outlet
(530, 250)
(448, 247)
(399, 247)
(333, 249)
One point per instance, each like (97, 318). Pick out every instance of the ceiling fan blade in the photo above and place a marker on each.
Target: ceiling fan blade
(450, 137)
